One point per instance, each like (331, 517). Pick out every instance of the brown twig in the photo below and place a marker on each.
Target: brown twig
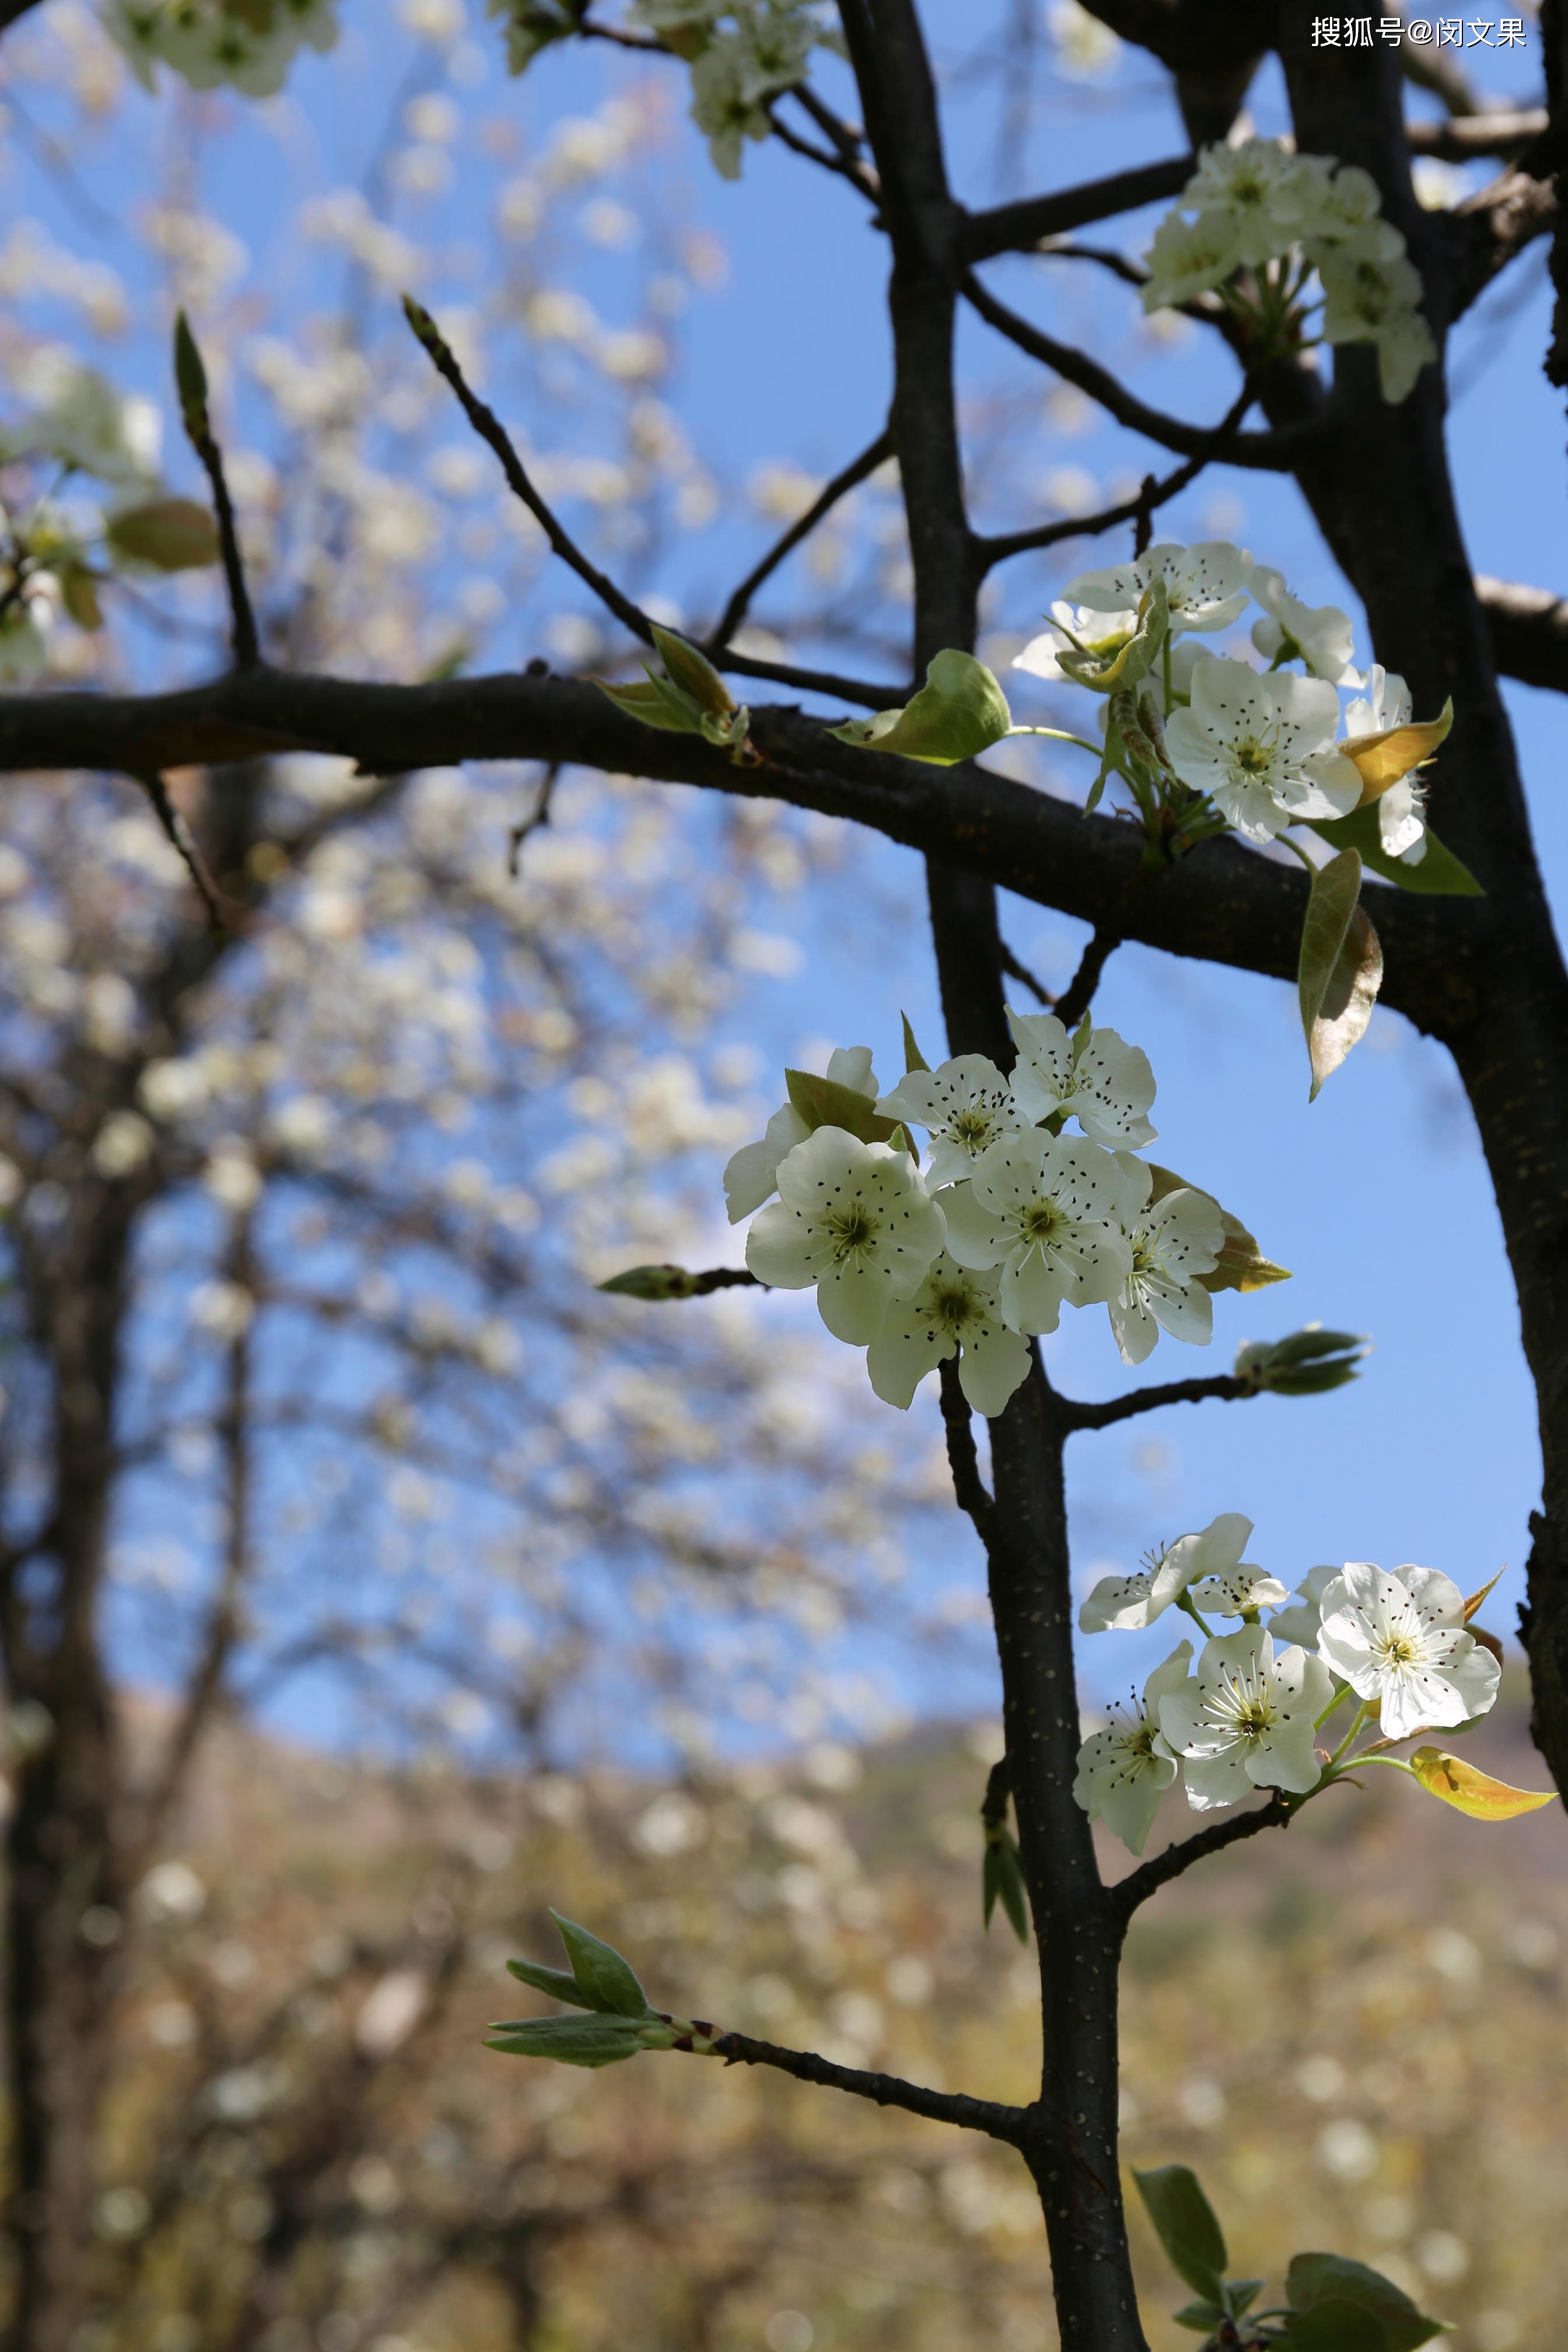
(539, 815)
(1078, 995)
(1228, 1387)
(1136, 1889)
(987, 2116)
(851, 476)
(183, 841)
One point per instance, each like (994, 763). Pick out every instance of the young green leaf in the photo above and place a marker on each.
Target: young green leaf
(693, 673)
(656, 703)
(554, 1982)
(1002, 1880)
(823, 1102)
(607, 1980)
(190, 379)
(913, 1059)
(1439, 874)
(1202, 2317)
(170, 534)
(1307, 1363)
(1242, 1264)
(1341, 967)
(1337, 2326)
(1314, 2280)
(1477, 1793)
(1187, 2226)
(570, 2040)
(958, 710)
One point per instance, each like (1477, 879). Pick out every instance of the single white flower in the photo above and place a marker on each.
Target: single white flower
(1105, 1084)
(775, 43)
(855, 1220)
(1217, 1580)
(1303, 1620)
(1338, 208)
(964, 1105)
(1401, 810)
(1125, 1604)
(1045, 1211)
(953, 1309)
(1247, 1719)
(1072, 626)
(1188, 257)
(1321, 632)
(1399, 1638)
(1206, 585)
(720, 107)
(1124, 1770)
(1251, 185)
(752, 1174)
(1262, 747)
(1175, 1242)
(1370, 302)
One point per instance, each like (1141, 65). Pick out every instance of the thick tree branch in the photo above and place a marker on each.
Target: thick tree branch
(854, 473)
(1491, 229)
(1227, 1386)
(1464, 137)
(987, 2116)
(1016, 227)
(1160, 1869)
(1529, 631)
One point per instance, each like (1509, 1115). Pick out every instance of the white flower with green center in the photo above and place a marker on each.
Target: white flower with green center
(1262, 747)
(1073, 628)
(721, 108)
(964, 1106)
(1327, 209)
(1370, 302)
(1321, 634)
(1399, 1640)
(1124, 1770)
(1251, 186)
(1220, 1583)
(1401, 809)
(1125, 1604)
(1190, 258)
(1247, 1719)
(752, 1175)
(1175, 1242)
(855, 1220)
(954, 1309)
(1045, 1211)
(1206, 585)
(776, 42)
(1092, 1077)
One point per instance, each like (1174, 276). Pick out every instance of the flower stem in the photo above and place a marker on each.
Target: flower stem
(1058, 735)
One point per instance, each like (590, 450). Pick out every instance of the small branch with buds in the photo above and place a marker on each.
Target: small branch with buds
(191, 381)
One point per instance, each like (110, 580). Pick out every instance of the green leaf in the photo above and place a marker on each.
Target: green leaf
(693, 673)
(1341, 967)
(1240, 2294)
(1477, 1793)
(1337, 2326)
(1114, 665)
(570, 2040)
(1307, 1363)
(608, 1981)
(1316, 2280)
(1203, 2318)
(1439, 872)
(1002, 1880)
(190, 379)
(554, 1982)
(1187, 2226)
(170, 534)
(913, 1059)
(656, 704)
(958, 710)
(1242, 1264)
(823, 1102)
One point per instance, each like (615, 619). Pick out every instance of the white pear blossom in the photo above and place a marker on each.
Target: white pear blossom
(1206, 584)
(1251, 186)
(1073, 626)
(1175, 1242)
(721, 107)
(752, 1174)
(1102, 1082)
(1398, 1638)
(80, 421)
(250, 48)
(855, 1220)
(1320, 633)
(1125, 1604)
(1326, 208)
(1220, 1583)
(1401, 810)
(964, 1106)
(1124, 1770)
(1246, 1719)
(954, 1309)
(1045, 1211)
(1188, 257)
(1262, 747)
(1370, 302)
(1302, 1619)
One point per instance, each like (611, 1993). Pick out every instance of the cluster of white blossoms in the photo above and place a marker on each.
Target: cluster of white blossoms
(247, 44)
(1007, 1221)
(1248, 1714)
(741, 54)
(1287, 218)
(1265, 747)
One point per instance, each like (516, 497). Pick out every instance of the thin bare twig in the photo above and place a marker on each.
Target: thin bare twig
(1229, 1387)
(822, 156)
(1152, 493)
(852, 475)
(539, 815)
(1017, 227)
(987, 2116)
(242, 619)
(183, 841)
(1078, 995)
(1011, 964)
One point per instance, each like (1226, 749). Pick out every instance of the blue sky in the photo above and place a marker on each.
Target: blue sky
(1376, 1195)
